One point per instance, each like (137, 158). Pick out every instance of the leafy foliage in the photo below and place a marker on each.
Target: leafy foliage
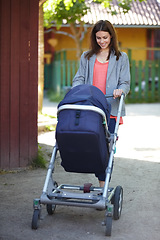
(69, 10)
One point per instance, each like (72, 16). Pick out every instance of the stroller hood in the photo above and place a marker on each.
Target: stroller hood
(87, 95)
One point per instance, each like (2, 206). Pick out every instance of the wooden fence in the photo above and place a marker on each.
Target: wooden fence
(145, 81)
(145, 78)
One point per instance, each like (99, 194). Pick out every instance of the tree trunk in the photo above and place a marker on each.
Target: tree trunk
(40, 60)
(79, 48)
(77, 35)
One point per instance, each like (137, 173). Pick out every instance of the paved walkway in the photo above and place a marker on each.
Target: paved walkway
(136, 168)
(138, 136)
(49, 108)
(49, 115)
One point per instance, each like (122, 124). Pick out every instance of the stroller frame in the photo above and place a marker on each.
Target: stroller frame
(95, 197)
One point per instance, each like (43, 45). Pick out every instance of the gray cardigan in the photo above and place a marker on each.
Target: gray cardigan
(118, 76)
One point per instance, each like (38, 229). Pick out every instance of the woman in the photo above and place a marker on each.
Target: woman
(107, 68)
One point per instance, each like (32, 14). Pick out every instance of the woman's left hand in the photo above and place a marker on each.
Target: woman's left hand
(117, 93)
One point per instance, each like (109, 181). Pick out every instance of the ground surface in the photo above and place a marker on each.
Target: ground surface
(137, 168)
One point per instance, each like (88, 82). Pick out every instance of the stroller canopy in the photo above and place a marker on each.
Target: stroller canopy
(87, 95)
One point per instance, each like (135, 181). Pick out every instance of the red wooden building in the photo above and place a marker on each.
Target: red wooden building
(18, 82)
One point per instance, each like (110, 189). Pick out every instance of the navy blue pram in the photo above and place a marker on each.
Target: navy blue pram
(81, 134)
(85, 146)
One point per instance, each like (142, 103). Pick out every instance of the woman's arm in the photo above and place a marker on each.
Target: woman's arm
(124, 77)
(80, 75)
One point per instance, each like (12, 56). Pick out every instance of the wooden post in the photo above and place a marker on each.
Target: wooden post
(158, 73)
(133, 78)
(146, 76)
(64, 69)
(18, 82)
(140, 79)
(68, 73)
(153, 80)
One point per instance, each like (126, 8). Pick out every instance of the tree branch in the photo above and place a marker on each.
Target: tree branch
(41, 2)
(60, 32)
(73, 29)
(80, 30)
(83, 33)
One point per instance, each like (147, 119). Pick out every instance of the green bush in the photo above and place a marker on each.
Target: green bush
(39, 161)
(55, 97)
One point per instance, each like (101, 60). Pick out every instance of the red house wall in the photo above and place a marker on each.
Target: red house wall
(18, 82)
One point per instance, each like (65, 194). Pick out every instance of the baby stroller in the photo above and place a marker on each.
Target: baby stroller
(85, 146)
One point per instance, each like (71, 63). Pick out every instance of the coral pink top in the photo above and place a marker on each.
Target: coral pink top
(100, 75)
(99, 79)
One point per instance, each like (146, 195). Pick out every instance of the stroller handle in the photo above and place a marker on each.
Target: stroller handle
(109, 96)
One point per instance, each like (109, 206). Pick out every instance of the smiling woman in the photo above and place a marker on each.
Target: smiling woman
(103, 40)
(105, 67)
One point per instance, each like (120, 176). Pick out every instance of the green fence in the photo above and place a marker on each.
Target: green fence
(59, 74)
(145, 81)
(145, 78)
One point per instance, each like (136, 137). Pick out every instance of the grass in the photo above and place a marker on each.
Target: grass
(45, 115)
(39, 161)
(3, 171)
(55, 97)
(44, 118)
(142, 99)
(50, 128)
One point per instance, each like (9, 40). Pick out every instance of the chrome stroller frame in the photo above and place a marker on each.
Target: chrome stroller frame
(109, 199)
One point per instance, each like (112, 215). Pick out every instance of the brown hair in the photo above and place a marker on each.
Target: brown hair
(105, 26)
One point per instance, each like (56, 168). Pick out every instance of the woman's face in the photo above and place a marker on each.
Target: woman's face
(103, 39)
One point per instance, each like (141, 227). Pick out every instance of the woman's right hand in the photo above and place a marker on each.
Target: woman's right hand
(117, 93)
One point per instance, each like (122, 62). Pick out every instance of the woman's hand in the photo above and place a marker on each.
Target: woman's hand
(117, 93)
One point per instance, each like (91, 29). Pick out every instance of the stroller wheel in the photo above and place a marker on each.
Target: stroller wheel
(50, 208)
(118, 201)
(36, 216)
(108, 229)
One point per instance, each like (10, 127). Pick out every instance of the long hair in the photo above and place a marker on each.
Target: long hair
(105, 26)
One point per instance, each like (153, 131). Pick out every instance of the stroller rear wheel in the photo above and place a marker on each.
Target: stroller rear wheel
(117, 202)
(50, 208)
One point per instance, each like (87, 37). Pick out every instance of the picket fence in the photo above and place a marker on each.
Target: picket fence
(145, 78)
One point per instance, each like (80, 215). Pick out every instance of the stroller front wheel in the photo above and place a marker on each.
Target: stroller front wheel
(108, 229)
(118, 201)
(36, 216)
